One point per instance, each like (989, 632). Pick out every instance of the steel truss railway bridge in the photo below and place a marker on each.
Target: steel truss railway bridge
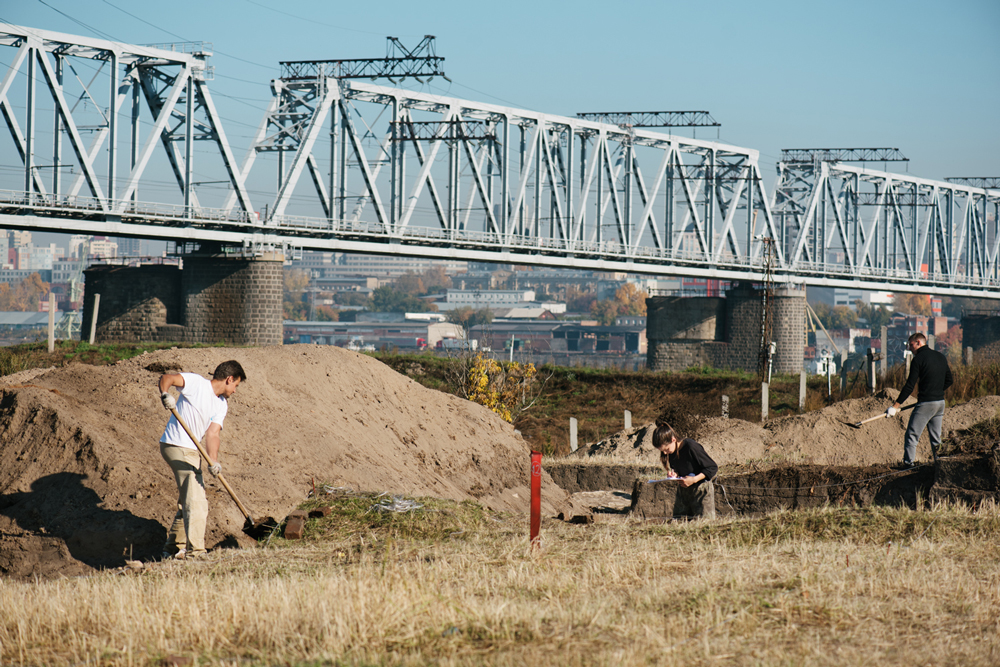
(360, 167)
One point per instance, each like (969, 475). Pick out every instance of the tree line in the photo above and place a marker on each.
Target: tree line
(25, 296)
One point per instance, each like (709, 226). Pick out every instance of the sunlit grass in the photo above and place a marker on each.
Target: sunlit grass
(827, 586)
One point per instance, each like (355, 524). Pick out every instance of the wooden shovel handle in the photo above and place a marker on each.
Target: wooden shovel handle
(871, 419)
(210, 462)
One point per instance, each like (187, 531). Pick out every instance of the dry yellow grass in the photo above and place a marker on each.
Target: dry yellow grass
(823, 587)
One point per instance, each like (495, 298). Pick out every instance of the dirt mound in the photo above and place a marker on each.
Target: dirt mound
(827, 436)
(728, 440)
(82, 483)
(822, 437)
(634, 445)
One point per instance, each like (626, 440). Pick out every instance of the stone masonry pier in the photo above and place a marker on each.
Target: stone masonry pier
(724, 332)
(211, 298)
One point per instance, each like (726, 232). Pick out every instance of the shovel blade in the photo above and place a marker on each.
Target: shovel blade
(260, 528)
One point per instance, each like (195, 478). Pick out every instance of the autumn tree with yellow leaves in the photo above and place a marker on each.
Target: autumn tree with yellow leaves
(504, 388)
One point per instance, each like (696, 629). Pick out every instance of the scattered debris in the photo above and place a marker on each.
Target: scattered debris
(395, 504)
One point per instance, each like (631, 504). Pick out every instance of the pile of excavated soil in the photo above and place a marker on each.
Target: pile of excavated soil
(82, 483)
(826, 436)
(823, 437)
(633, 445)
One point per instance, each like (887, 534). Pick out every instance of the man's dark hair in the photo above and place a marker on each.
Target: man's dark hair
(229, 368)
(917, 336)
(663, 434)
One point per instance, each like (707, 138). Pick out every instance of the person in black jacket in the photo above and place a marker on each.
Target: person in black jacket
(696, 469)
(929, 369)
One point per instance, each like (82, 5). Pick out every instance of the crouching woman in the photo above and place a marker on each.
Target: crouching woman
(695, 468)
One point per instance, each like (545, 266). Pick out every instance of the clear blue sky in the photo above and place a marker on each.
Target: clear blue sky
(916, 75)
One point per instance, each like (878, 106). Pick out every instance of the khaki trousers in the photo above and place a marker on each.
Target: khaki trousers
(188, 528)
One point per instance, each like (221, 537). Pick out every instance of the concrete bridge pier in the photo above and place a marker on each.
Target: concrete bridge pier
(211, 297)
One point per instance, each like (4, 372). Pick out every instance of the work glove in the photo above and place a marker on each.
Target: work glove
(169, 402)
(215, 469)
(891, 412)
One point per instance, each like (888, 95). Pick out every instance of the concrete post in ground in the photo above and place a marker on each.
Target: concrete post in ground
(932, 341)
(884, 350)
(763, 401)
(628, 420)
(871, 371)
(907, 357)
(52, 322)
(93, 317)
(841, 359)
(725, 407)
(572, 434)
(802, 390)
(968, 356)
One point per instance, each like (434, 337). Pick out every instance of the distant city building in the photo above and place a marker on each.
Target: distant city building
(389, 266)
(17, 275)
(483, 280)
(524, 313)
(128, 247)
(33, 258)
(20, 238)
(313, 259)
(406, 335)
(479, 299)
(845, 297)
(345, 284)
(64, 270)
(75, 242)
(400, 317)
(597, 339)
(845, 341)
(103, 248)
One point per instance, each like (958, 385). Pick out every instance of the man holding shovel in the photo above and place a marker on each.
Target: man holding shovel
(929, 369)
(202, 406)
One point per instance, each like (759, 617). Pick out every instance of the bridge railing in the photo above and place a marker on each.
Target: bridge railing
(52, 204)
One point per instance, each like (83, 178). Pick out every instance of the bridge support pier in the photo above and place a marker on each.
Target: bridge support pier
(981, 336)
(214, 298)
(682, 332)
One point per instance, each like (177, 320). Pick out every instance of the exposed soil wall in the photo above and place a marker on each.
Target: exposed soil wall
(577, 477)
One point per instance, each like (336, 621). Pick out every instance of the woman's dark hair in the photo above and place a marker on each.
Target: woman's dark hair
(663, 434)
(229, 368)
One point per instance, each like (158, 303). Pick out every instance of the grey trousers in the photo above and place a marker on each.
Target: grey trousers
(925, 415)
(696, 501)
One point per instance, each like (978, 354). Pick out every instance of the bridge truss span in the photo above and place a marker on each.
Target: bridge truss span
(169, 81)
(845, 221)
(528, 181)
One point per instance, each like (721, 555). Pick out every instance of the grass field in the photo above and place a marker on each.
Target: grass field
(456, 584)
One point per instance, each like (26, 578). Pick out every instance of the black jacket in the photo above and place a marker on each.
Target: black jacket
(691, 459)
(930, 370)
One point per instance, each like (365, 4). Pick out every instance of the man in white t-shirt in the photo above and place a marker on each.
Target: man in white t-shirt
(202, 406)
